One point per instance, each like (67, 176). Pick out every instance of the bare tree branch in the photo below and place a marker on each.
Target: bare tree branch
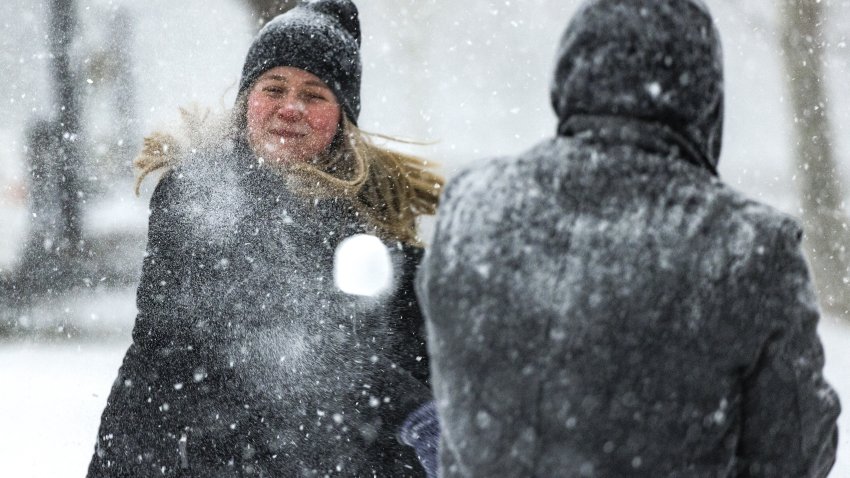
(63, 23)
(825, 219)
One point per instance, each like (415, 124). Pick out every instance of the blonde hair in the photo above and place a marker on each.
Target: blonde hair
(387, 188)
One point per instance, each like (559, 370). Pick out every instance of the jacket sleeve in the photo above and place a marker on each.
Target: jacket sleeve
(158, 285)
(132, 422)
(404, 381)
(413, 355)
(407, 375)
(789, 411)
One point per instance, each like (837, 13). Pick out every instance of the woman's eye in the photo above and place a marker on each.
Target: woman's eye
(314, 96)
(275, 90)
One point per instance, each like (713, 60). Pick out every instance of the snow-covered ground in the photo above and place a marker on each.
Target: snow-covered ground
(51, 397)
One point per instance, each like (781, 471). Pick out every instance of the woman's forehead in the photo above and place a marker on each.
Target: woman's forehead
(288, 74)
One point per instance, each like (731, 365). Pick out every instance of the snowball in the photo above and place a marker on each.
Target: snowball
(362, 266)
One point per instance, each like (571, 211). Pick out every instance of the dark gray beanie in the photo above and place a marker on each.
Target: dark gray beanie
(321, 37)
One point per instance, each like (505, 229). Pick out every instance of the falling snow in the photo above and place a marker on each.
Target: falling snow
(471, 81)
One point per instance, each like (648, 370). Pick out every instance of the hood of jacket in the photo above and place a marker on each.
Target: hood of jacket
(651, 62)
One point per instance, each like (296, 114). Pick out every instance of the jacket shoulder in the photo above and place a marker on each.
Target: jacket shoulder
(475, 179)
(766, 220)
(500, 176)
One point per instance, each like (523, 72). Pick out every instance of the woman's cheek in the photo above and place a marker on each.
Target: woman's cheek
(325, 119)
(259, 110)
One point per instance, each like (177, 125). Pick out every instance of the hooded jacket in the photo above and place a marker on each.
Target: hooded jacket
(603, 305)
(246, 360)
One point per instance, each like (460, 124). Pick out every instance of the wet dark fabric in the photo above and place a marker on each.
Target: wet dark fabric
(321, 37)
(602, 305)
(246, 360)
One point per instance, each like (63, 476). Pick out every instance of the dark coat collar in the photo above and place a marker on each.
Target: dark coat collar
(645, 134)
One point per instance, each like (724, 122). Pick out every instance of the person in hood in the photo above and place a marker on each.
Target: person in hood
(603, 305)
(246, 359)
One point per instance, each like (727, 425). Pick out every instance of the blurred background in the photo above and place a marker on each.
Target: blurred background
(82, 81)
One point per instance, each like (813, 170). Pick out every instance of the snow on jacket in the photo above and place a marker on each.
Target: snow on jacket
(603, 305)
(246, 360)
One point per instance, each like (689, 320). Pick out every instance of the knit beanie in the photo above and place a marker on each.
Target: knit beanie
(321, 37)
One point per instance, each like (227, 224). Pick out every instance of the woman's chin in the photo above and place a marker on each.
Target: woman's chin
(282, 157)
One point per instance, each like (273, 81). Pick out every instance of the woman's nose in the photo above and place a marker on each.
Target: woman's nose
(291, 109)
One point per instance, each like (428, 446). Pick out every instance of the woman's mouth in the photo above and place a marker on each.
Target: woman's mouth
(289, 133)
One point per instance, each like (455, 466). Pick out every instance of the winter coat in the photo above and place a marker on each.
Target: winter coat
(246, 360)
(603, 305)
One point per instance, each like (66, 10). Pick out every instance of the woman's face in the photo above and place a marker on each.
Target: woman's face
(292, 115)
